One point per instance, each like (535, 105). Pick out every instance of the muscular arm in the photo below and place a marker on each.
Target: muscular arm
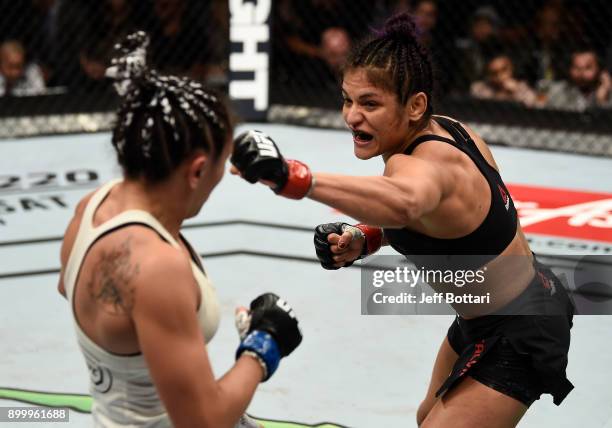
(164, 315)
(409, 189)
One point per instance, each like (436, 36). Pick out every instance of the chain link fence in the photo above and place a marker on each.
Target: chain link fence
(53, 54)
(529, 73)
(525, 73)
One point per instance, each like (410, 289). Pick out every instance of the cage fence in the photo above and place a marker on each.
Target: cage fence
(523, 73)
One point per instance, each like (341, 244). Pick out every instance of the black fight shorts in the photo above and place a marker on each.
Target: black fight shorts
(521, 356)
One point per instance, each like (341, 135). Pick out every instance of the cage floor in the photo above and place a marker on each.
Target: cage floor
(351, 370)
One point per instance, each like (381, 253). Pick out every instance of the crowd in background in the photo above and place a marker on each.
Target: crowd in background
(539, 53)
(67, 44)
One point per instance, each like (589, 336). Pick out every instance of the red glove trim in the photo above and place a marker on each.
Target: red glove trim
(373, 237)
(299, 180)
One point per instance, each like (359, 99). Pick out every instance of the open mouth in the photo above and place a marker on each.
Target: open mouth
(362, 137)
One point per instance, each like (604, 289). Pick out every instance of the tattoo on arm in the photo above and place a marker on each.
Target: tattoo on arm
(113, 273)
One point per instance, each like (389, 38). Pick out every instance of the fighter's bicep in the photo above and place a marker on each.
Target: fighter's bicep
(165, 318)
(425, 181)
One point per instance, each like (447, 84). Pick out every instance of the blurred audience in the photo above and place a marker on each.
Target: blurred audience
(108, 22)
(315, 39)
(111, 20)
(67, 43)
(425, 13)
(17, 77)
(56, 34)
(472, 52)
(335, 47)
(587, 86)
(500, 83)
(545, 47)
(314, 29)
(94, 58)
(185, 39)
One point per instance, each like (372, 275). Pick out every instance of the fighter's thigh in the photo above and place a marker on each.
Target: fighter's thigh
(474, 405)
(445, 360)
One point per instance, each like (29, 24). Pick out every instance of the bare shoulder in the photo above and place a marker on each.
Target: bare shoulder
(133, 267)
(164, 285)
(401, 165)
(434, 161)
(164, 273)
(397, 162)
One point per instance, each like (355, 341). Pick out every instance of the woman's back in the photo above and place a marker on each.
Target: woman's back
(107, 249)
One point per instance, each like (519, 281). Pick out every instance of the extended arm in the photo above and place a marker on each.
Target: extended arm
(409, 189)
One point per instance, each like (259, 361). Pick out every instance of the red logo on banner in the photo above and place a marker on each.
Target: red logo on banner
(566, 213)
(562, 213)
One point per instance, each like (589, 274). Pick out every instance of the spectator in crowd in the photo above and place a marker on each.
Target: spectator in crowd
(185, 40)
(316, 37)
(587, 86)
(546, 51)
(335, 47)
(56, 37)
(94, 59)
(315, 27)
(500, 83)
(472, 52)
(425, 14)
(113, 19)
(109, 22)
(17, 77)
(332, 48)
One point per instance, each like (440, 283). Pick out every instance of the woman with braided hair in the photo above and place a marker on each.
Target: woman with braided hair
(142, 304)
(441, 199)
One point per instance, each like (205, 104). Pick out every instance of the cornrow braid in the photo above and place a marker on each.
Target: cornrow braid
(162, 119)
(397, 60)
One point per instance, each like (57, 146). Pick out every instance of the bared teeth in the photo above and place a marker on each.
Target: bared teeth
(361, 135)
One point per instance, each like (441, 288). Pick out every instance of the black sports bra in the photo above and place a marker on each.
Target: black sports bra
(490, 238)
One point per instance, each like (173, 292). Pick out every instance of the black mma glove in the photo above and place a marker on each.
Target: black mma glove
(273, 332)
(372, 237)
(257, 157)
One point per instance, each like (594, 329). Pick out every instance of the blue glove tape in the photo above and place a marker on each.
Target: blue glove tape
(264, 345)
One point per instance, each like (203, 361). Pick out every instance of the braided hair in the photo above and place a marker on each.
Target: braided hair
(161, 120)
(395, 60)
